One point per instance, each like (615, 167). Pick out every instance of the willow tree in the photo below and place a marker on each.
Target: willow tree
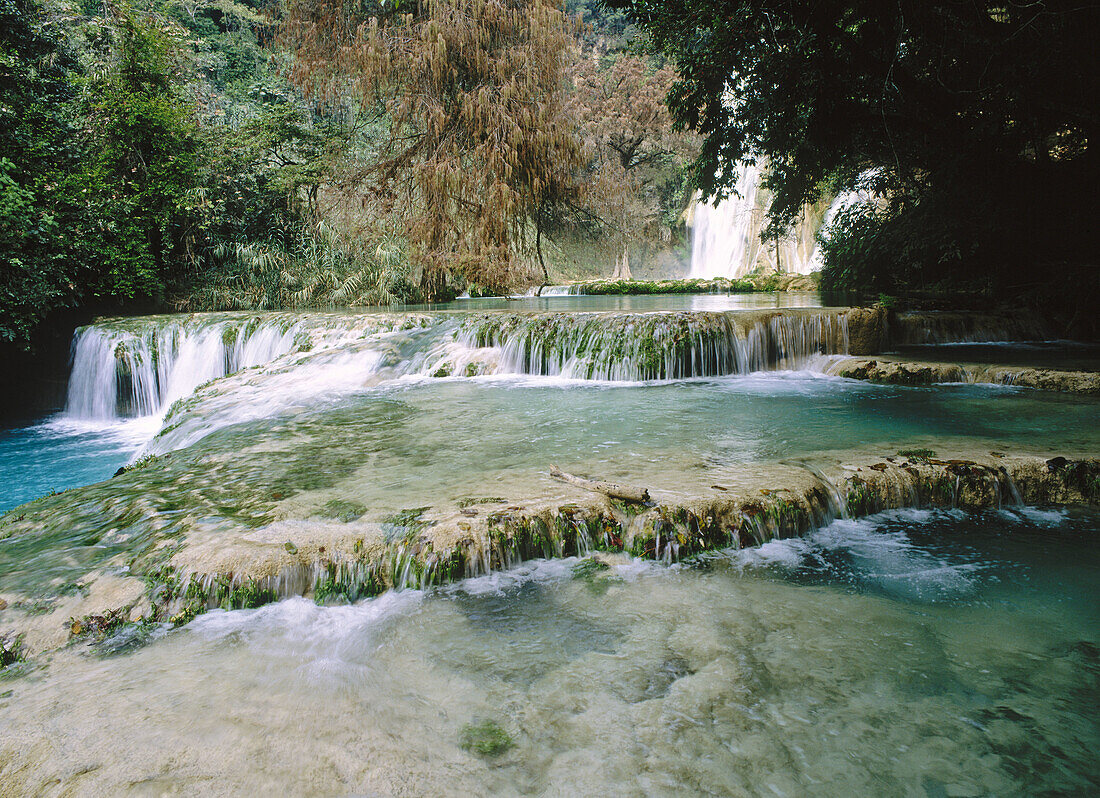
(476, 149)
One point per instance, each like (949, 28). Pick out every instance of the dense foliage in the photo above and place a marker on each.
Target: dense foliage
(474, 143)
(35, 150)
(204, 154)
(975, 124)
(139, 146)
(637, 175)
(139, 165)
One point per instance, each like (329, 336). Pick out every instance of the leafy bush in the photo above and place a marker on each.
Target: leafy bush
(320, 268)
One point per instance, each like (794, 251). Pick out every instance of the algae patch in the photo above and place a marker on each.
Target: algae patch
(917, 454)
(485, 738)
(342, 510)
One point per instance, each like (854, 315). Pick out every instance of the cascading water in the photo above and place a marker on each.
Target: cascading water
(661, 346)
(862, 194)
(263, 365)
(552, 290)
(612, 346)
(140, 370)
(724, 240)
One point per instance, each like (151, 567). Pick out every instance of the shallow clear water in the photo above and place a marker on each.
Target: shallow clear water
(914, 653)
(424, 442)
(421, 441)
(1072, 355)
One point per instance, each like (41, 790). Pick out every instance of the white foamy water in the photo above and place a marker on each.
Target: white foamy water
(142, 371)
(795, 675)
(725, 240)
(619, 348)
(726, 235)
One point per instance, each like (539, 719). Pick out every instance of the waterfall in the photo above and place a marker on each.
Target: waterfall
(726, 236)
(725, 239)
(140, 368)
(262, 365)
(551, 290)
(654, 346)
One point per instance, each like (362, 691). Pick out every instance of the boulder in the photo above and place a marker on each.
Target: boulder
(867, 330)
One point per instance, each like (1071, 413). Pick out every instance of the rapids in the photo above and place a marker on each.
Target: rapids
(556, 385)
(910, 653)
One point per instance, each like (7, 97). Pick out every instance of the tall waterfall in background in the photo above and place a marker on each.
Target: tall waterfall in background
(724, 241)
(726, 236)
(863, 193)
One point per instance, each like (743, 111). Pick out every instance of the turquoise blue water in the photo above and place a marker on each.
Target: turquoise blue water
(925, 653)
(427, 437)
(56, 454)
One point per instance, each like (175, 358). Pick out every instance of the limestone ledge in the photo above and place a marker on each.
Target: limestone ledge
(335, 561)
(897, 372)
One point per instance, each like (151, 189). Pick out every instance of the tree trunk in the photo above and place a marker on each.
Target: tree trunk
(433, 283)
(622, 265)
(538, 249)
(627, 493)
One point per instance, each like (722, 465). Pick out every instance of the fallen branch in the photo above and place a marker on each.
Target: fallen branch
(624, 492)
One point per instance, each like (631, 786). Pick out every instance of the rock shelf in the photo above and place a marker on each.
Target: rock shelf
(896, 371)
(165, 575)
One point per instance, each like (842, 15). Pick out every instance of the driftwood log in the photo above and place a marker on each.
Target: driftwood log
(625, 492)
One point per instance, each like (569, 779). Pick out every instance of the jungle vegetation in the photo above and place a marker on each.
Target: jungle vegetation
(214, 154)
(972, 126)
(221, 154)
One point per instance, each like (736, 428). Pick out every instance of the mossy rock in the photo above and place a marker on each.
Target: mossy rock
(11, 650)
(588, 568)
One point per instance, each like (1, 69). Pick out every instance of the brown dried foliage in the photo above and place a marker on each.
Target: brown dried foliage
(619, 105)
(477, 140)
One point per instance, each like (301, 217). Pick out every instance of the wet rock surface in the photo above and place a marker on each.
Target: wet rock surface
(867, 331)
(890, 371)
(173, 571)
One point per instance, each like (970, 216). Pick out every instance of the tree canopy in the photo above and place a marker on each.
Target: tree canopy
(475, 144)
(976, 122)
(636, 160)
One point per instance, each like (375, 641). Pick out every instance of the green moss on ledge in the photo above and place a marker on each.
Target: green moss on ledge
(745, 285)
(187, 571)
